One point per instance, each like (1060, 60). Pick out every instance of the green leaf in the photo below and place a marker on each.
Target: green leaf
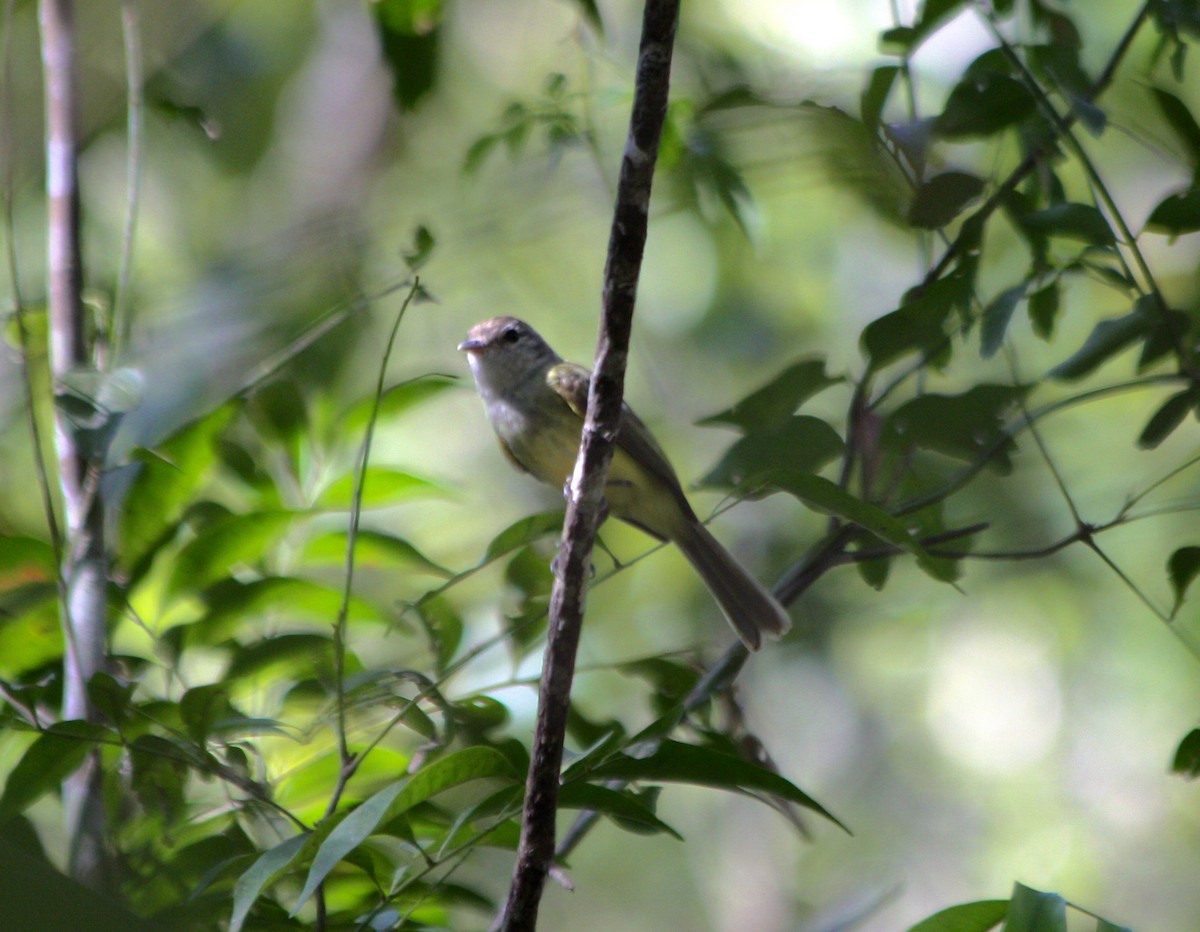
(1176, 214)
(463, 766)
(169, 480)
(410, 38)
(1107, 339)
(230, 604)
(1187, 756)
(1033, 911)
(966, 426)
(421, 249)
(1183, 567)
(874, 98)
(382, 488)
(942, 198)
(966, 917)
(1081, 222)
(675, 762)
(55, 753)
(202, 707)
(1043, 309)
(25, 560)
(1181, 121)
(982, 105)
(229, 542)
(801, 443)
(283, 650)
(523, 532)
(269, 866)
(996, 317)
(829, 498)
(372, 549)
(1164, 421)
(919, 323)
(775, 402)
(396, 401)
(591, 12)
(624, 808)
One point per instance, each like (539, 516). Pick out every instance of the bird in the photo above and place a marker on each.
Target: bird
(536, 403)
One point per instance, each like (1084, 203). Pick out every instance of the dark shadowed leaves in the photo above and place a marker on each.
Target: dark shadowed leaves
(1177, 214)
(965, 427)
(1108, 339)
(983, 104)
(1081, 222)
(675, 762)
(1183, 567)
(942, 198)
(777, 401)
(410, 39)
(800, 444)
(1187, 756)
(1169, 415)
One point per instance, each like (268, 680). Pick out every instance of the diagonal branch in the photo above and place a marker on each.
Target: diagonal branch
(586, 490)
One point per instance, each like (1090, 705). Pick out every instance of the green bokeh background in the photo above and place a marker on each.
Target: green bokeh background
(1018, 729)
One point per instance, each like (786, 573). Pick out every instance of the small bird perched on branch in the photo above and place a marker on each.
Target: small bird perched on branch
(536, 403)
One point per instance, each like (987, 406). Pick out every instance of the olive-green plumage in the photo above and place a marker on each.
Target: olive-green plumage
(536, 403)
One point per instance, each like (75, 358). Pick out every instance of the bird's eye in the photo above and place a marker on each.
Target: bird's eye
(511, 335)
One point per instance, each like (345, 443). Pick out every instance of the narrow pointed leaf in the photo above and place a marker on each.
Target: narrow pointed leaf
(1032, 910)
(675, 762)
(979, 916)
(474, 763)
(269, 866)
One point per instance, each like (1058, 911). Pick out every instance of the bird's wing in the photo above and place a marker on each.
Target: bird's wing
(571, 382)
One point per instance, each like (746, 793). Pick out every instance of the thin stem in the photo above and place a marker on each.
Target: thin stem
(134, 119)
(339, 628)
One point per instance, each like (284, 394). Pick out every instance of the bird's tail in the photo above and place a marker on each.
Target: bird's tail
(750, 608)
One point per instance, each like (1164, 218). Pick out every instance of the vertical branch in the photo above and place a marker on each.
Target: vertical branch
(585, 500)
(84, 569)
(118, 325)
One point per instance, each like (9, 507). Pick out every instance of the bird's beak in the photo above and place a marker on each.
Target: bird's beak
(470, 344)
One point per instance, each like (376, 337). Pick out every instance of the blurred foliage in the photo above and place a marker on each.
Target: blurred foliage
(309, 719)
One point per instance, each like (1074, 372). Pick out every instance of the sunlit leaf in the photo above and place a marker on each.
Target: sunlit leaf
(463, 766)
(25, 560)
(395, 401)
(236, 540)
(374, 549)
(170, 478)
(382, 488)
